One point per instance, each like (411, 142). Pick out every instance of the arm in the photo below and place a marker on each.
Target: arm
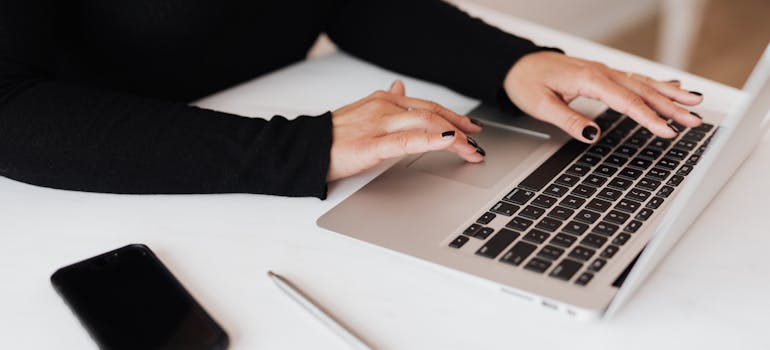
(57, 134)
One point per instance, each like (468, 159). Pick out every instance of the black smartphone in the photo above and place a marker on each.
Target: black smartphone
(127, 299)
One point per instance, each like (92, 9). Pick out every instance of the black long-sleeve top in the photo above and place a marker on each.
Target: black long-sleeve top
(93, 93)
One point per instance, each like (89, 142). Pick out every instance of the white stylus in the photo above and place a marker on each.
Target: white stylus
(314, 309)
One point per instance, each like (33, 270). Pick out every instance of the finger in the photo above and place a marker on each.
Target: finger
(462, 122)
(426, 121)
(671, 90)
(662, 104)
(397, 88)
(627, 102)
(555, 111)
(414, 142)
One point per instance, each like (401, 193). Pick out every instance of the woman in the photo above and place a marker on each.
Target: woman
(93, 94)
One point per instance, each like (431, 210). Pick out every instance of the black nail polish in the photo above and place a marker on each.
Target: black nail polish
(696, 115)
(472, 142)
(590, 132)
(449, 133)
(476, 121)
(675, 130)
(481, 151)
(673, 81)
(696, 93)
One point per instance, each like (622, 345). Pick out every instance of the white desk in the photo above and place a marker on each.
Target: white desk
(711, 292)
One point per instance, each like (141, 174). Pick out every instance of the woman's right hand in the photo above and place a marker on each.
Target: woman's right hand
(387, 124)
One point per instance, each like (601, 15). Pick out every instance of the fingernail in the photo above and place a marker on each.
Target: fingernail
(675, 130)
(696, 93)
(674, 81)
(448, 134)
(472, 142)
(476, 121)
(696, 115)
(590, 132)
(393, 84)
(481, 151)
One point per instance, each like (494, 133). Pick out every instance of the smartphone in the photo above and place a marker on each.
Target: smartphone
(127, 299)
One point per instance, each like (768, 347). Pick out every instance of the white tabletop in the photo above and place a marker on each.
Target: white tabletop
(711, 291)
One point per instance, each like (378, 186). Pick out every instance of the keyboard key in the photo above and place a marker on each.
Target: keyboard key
(667, 163)
(583, 191)
(660, 144)
(628, 205)
(589, 159)
(636, 141)
(556, 190)
(638, 194)
(678, 127)
(618, 183)
(538, 265)
(609, 252)
(605, 170)
(600, 150)
(675, 180)
(536, 236)
(532, 212)
(621, 239)
(616, 160)
(567, 180)
(572, 202)
(643, 133)
(496, 244)
(584, 279)
(504, 208)
(686, 145)
(485, 218)
(684, 170)
(599, 205)
(597, 265)
(593, 241)
(610, 140)
(609, 194)
(458, 242)
(550, 252)
(561, 213)
(566, 269)
(594, 180)
(609, 115)
(587, 216)
(640, 163)
(582, 253)
(626, 150)
(648, 184)
(553, 165)
(693, 160)
(633, 226)
(549, 224)
(606, 228)
(655, 202)
(519, 223)
(644, 214)
(627, 125)
(576, 228)
(704, 127)
(563, 240)
(658, 174)
(517, 254)
(665, 191)
(519, 196)
(617, 217)
(630, 173)
(484, 232)
(545, 201)
(578, 170)
(694, 135)
(650, 153)
(676, 154)
(471, 230)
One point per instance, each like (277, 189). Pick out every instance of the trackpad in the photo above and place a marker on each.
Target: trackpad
(506, 150)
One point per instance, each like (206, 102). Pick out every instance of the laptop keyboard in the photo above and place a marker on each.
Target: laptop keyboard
(577, 210)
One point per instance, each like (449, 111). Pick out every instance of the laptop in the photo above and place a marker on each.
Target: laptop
(574, 227)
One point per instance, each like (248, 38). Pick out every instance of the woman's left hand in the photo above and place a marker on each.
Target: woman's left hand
(543, 83)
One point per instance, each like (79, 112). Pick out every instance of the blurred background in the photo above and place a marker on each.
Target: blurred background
(717, 39)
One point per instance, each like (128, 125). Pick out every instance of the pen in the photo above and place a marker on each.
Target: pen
(314, 309)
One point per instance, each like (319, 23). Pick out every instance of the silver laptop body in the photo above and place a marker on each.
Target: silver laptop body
(422, 204)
